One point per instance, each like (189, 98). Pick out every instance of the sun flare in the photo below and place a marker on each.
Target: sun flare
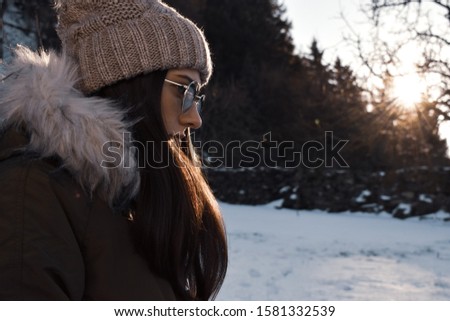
(409, 89)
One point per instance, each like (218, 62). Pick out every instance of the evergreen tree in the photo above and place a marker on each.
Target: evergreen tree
(404, 137)
(260, 86)
(252, 50)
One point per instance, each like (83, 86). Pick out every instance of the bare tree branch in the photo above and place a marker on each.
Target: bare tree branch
(428, 35)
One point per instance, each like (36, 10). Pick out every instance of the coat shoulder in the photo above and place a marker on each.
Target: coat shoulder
(30, 180)
(41, 256)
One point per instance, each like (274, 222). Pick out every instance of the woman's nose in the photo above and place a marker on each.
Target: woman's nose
(191, 118)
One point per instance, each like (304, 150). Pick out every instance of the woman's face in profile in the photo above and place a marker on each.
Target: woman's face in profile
(175, 120)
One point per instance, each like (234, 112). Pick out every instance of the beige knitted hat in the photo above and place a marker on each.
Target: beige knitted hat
(117, 39)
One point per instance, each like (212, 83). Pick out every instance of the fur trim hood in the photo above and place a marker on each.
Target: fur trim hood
(38, 93)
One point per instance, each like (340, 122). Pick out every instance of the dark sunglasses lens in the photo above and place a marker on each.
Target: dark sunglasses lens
(200, 103)
(189, 96)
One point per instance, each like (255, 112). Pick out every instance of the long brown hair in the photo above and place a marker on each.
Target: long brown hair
(177, 224)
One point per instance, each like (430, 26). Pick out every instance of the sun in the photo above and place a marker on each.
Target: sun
(408, 90)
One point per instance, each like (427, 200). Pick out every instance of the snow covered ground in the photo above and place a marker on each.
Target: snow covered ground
(312, 255)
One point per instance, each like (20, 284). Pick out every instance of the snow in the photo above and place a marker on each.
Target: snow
(406, 208)
(362, 197)
(385, 197)
(425, 198)
(312, 255)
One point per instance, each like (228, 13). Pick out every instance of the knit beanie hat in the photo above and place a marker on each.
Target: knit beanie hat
(113, 40)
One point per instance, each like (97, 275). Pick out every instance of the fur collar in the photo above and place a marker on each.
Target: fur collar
(38, 92)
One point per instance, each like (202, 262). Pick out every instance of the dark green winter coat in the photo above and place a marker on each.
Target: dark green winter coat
(59, 237)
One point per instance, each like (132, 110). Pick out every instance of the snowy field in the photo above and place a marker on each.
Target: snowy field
(312, 255)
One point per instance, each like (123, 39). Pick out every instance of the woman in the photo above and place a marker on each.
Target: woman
(76, 221)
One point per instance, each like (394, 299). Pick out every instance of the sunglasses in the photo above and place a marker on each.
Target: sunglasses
(189, 95)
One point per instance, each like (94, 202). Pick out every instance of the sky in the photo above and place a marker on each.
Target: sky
(322, 19)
